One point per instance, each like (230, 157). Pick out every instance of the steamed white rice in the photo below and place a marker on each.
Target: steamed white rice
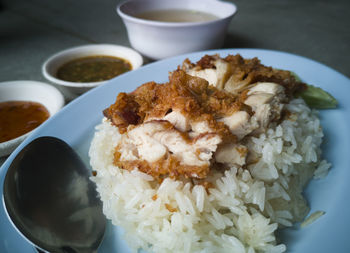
(242, 211)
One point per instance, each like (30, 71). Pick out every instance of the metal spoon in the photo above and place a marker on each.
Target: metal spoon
(50, 199)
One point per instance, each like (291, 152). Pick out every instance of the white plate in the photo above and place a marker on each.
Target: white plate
(75, 124)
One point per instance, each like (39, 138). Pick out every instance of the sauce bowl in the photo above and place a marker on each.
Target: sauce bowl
(158, 40)
(52, 64)
(33, 91)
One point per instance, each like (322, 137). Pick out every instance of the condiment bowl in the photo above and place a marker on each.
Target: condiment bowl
(33, 91)
(53, 63)
(158, 40)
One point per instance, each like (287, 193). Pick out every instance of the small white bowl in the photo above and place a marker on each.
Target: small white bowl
(158, 40)
(52, 64)
(34, 91)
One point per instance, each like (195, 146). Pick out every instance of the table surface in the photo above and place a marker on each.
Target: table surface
(33, 30)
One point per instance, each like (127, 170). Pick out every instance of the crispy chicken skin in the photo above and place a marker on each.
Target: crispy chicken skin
(234, 73)
(199, 119)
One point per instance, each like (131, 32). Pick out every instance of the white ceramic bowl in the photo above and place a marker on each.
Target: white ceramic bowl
(158, 40)
(34, 91)
(52, 64)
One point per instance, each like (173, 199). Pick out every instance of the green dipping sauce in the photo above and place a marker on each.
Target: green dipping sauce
(93, 69)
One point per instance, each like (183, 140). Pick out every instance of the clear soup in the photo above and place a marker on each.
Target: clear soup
(176, 15)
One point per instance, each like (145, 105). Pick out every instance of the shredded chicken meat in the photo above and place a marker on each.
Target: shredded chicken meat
(199, 119)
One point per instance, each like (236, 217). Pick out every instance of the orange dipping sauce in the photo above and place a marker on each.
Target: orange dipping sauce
(20, 117)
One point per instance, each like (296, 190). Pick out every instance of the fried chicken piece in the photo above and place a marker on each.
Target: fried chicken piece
(199, 119)
(266, 89)
(172, 129)
(191, 96)
(159, 149)
(234, 73)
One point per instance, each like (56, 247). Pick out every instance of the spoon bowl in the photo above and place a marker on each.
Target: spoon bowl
(51, 201)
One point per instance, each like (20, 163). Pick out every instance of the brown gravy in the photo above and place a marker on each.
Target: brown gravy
(176, 15)
(94, 68)
(20, 117)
